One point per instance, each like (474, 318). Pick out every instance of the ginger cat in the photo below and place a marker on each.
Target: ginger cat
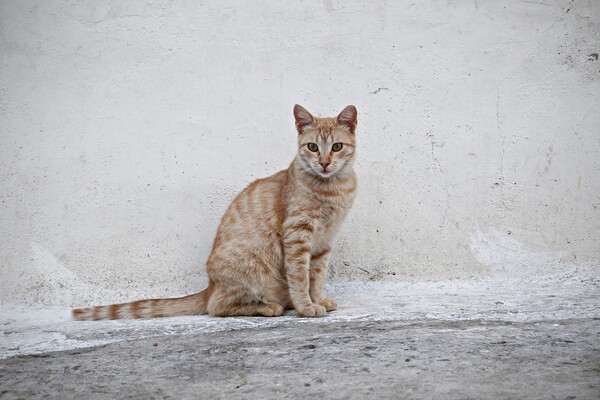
(272, 247)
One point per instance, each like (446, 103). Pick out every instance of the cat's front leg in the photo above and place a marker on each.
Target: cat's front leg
(296, 246)
(318, 271)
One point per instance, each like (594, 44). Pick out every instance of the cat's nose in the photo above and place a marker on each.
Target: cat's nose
(324, 165)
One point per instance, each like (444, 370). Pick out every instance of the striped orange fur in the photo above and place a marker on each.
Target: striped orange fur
(272, 247)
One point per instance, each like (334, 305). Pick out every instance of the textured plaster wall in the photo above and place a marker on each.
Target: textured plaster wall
(127, 127)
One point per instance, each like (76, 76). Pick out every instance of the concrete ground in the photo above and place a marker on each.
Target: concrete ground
(446, 340)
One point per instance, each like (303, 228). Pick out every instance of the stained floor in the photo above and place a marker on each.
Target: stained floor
(459, 339)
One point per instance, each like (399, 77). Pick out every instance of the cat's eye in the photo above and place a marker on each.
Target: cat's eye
(313, 147)
(337, 146)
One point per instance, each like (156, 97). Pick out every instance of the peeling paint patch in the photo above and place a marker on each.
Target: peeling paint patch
(497, 250)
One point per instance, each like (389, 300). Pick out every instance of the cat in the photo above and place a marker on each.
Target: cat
(272, 248)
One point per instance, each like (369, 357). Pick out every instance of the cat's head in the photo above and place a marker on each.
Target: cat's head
(326, 145)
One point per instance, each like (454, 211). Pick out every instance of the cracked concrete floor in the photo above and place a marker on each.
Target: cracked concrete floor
(459, 339)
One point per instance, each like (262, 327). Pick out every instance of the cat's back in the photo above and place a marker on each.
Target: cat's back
(258, 209)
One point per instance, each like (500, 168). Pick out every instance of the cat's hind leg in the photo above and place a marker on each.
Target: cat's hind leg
(248, 310)
(232, 304)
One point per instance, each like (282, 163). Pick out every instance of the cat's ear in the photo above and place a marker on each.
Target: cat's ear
(303, 118)
(348, 118)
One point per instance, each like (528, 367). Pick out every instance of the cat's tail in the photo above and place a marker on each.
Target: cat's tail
(194, 304)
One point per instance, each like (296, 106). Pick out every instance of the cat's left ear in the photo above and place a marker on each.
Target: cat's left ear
(303, 118)
(348, 118)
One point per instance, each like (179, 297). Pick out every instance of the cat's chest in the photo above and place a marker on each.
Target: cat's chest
(329, 214)
(331, 217)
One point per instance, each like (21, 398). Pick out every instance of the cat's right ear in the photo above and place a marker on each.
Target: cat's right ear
(348, 118)
(303, 118)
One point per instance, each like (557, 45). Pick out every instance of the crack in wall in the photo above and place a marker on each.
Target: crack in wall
(502, 148)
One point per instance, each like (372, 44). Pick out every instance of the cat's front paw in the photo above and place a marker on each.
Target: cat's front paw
(329, 304)
(314, 310)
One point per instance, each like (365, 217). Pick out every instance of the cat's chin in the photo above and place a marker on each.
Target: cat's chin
(326, 174)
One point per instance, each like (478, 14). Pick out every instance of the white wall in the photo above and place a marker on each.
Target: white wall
(127, 127)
